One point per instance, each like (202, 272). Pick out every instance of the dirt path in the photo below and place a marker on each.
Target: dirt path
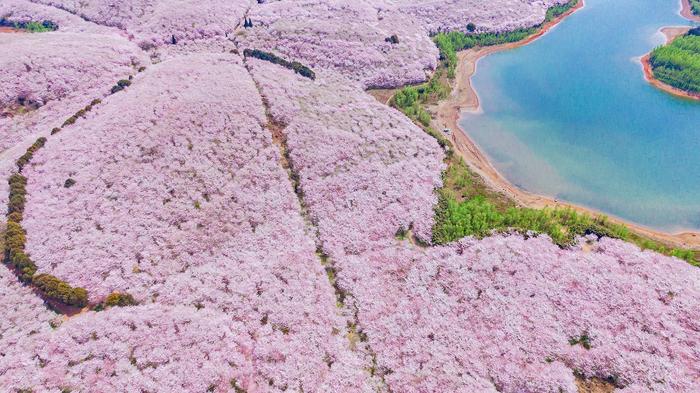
(6, 29)
(464, 98)
(594, 385)
(382, 95)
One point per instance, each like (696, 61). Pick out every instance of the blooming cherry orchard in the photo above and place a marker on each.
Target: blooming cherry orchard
(147, 348)
(347, 36)
(23, 313)
(27, 11)
(179, 198)
(366, 171)
(494, 16)
(51, 76)
(513, 315)
(171, 155)
(352, 37)
(242, 216)
(152, 23)
(51, 67)
(160, 348)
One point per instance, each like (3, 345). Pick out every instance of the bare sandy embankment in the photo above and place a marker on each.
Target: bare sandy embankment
(670, 33)
(5, 29)
(465, 98)
(686, 13)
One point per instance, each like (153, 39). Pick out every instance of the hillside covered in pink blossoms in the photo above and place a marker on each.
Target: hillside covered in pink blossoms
(250, 210)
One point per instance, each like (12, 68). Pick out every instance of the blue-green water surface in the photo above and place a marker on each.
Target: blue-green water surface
(571, 116)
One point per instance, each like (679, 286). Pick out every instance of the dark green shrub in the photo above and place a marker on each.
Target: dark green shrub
(15, 217)
(394, 39)
(24, 160)
(78, 298)
(694, 7)
(69, 121)
(58, 289)
(15, 239)
(272, 58)
(50, 25)
(38, 144)
(121, 85)
(16, 203)
(18, 184)
(27, 157)
(55, 130)
(471, 27)
(17, 180)
(118, 299)
(307, 73)
(25, 265)
(584, 339)
(69, 183)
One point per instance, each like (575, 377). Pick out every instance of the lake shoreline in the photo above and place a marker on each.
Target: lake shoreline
(671, 33)
(687, 13)
(465, 98)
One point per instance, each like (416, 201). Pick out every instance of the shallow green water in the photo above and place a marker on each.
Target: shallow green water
(571, 116)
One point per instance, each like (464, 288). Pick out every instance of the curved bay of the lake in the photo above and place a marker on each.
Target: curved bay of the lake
(571, 116)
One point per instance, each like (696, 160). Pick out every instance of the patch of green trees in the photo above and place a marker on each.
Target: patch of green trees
(466, 207)
(30, 26)
(557, 10)
(116, 299)
(695, 6)
(410, 99)
(479, 217)
(678, 63)
(272, 58)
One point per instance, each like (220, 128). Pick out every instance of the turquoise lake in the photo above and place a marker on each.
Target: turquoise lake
(571, 116)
